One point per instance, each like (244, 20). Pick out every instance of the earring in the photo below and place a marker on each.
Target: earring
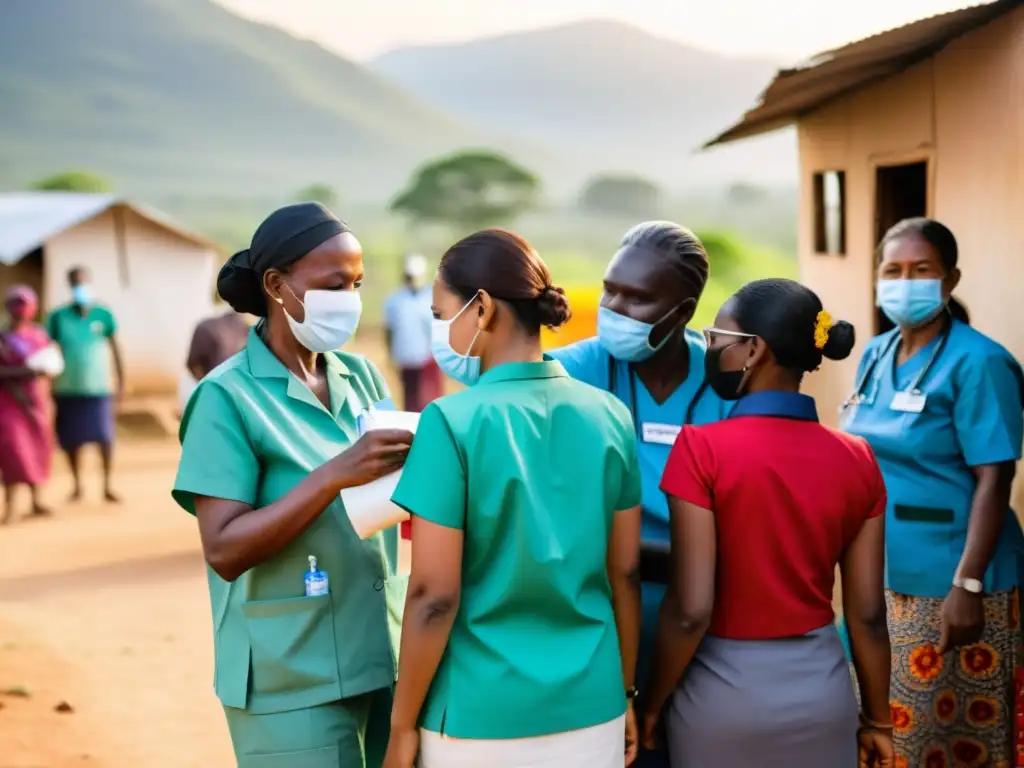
(279, 300)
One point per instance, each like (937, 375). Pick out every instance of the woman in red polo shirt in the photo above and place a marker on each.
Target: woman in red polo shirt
(763, 506)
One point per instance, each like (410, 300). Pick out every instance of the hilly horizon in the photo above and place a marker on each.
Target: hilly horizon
(183, 96)
(605, 94)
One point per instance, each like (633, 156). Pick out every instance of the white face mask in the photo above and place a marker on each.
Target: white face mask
(331, 319)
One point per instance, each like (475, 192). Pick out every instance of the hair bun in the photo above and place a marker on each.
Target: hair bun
(841, 338)
(553, 307)
(239, 285)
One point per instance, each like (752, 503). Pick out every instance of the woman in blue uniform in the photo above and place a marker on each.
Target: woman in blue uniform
(645, 355)
(940, 404)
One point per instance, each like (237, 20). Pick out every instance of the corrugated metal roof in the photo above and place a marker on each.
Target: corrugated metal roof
(831, 74)
(29, 219)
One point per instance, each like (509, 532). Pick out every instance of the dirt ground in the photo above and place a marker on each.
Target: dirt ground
(105, 609)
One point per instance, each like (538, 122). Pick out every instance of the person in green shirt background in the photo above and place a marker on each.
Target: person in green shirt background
(523, 617)
(269, 440)
(86, 332)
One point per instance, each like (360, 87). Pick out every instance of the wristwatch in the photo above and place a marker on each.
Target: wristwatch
(973, 586)
(632, 693)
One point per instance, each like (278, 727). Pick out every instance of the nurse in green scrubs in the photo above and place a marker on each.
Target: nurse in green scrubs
(523, 618)
(269, 440)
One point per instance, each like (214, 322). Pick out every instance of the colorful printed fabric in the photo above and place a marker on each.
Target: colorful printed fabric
(957, 710)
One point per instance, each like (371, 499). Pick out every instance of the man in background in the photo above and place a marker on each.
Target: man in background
(84, 394)
(407, 320)
(214, 340)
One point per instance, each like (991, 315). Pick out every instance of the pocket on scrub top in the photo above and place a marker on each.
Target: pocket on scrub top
(292, 643)
(920, 542)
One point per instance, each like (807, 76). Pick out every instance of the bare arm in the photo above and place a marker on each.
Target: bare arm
(197, 362)
(237, 537)
(15, 372)
(115, 349)
(862, 570)
(624, 575)
(988, 515)
(435, 587)
(686, 610)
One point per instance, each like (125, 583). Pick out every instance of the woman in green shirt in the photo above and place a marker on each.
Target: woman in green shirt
(269, 440)
(523, 617)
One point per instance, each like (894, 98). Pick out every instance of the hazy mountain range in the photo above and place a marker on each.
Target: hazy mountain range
(180, 96)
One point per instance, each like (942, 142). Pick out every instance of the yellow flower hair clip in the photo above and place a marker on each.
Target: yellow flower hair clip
(822, 325)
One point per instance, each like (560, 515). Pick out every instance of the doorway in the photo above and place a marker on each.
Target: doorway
(901, 192)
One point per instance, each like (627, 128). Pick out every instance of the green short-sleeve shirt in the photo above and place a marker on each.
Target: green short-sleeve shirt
(250, 433)
(84, 340)
(532, 466)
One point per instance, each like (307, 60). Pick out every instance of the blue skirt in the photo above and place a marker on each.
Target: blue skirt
(84, 419)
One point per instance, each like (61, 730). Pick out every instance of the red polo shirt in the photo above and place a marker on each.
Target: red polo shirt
(789, 495)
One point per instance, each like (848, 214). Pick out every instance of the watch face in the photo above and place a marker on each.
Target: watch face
(971, 585)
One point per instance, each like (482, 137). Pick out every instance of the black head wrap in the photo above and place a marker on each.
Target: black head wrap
(286, 236)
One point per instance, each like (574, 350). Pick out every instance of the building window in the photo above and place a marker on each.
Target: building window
(830, 212)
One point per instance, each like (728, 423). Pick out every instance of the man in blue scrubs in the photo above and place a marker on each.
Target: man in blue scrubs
(645, 355)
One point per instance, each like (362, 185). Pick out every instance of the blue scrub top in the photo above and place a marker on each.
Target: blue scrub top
(656, 425)
(972, 416)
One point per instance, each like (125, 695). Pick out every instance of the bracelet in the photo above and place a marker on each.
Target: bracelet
(632, 693)
(868, 723)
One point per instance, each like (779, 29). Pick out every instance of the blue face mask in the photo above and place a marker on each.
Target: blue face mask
(910, 303)
(464, 369)
(82, 295)
(624, 338)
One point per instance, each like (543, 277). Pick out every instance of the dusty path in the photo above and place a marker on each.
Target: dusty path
(106, 608)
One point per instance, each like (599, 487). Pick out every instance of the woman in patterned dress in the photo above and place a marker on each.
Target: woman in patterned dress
(940, 403)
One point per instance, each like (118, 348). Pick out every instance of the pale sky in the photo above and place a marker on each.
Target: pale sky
(789, 30)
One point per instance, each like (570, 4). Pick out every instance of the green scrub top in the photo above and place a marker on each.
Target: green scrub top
(250, 433)
(532, 466)
(84, 343)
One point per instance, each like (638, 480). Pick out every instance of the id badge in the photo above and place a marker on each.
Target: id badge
(662, 434)
(908, 402)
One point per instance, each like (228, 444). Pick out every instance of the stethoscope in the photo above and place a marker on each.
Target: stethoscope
(613, 370)
(859, 395)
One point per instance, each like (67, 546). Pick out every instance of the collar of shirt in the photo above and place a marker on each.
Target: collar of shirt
(263, 364)
(787, 405)
(546, 369)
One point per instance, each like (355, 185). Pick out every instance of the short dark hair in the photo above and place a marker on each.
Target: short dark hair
(678, 244)
(943, 242)
(785, 314)
(509, 269)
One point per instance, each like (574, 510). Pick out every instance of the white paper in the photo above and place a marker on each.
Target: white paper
(48, 361)
(369, 506)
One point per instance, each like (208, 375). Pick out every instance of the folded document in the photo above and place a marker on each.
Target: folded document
(369, 506)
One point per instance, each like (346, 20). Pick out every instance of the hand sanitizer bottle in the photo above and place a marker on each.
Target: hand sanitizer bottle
(316, 580)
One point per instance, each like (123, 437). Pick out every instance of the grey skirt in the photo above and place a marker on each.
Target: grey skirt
(765, 703)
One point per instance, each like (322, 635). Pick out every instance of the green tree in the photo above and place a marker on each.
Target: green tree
(725, 254)
(470, 190)
(318, 193)
(621, 193)
(73, 181)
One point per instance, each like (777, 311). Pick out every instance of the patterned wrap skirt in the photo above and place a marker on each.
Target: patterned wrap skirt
(957, 710)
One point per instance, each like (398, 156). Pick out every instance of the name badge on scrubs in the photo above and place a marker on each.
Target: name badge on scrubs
(908, 402)
(663, 434)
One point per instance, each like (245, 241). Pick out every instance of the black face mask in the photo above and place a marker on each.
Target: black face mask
(726, 384)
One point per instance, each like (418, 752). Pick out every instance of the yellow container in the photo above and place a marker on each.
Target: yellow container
(584, 302)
